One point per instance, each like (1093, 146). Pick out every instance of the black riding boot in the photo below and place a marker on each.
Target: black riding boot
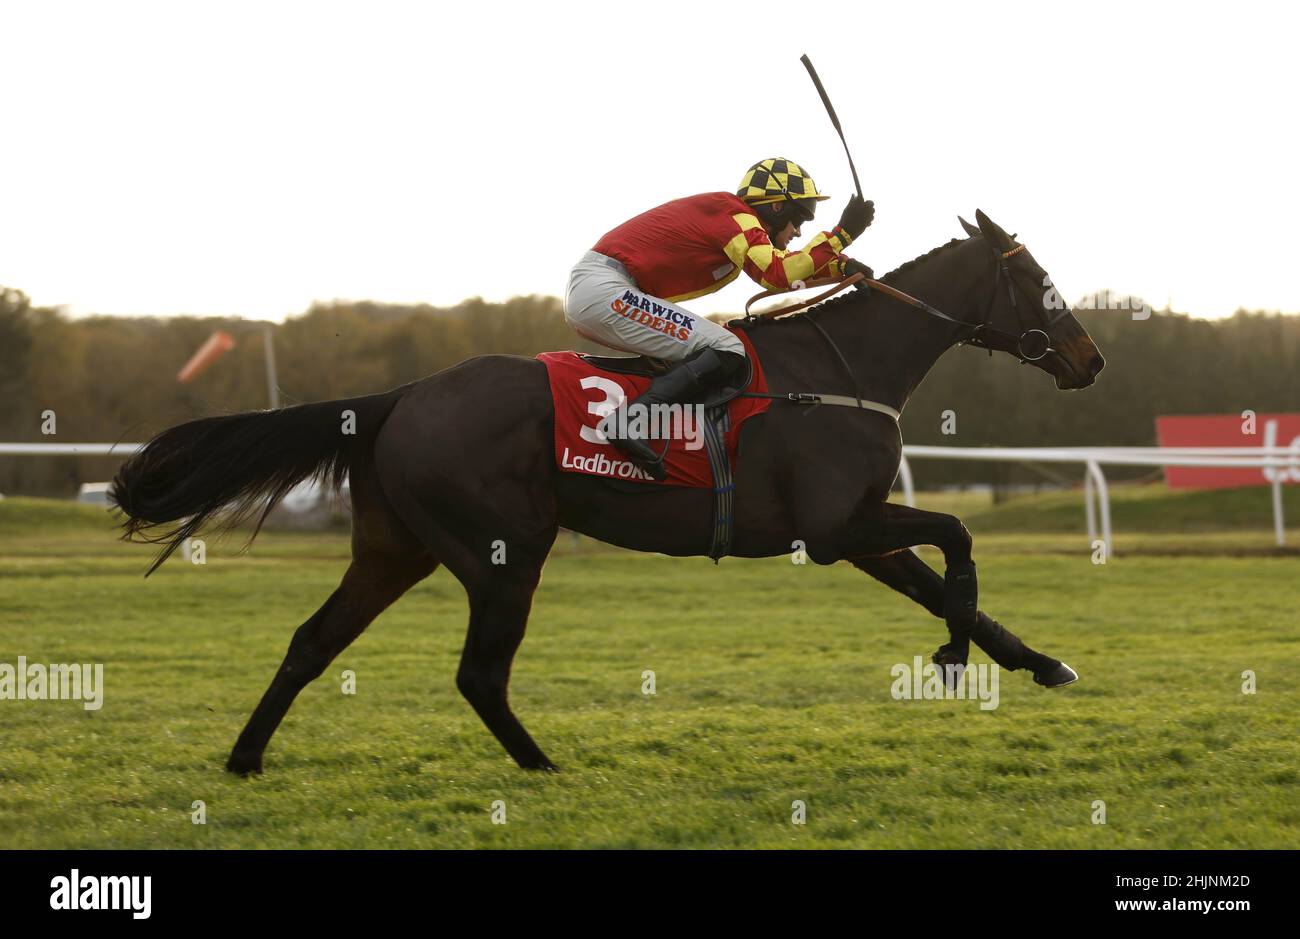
(687, 382)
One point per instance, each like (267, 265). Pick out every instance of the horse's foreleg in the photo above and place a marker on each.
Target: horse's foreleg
(371, 583)
(912, 577)
(883, 529)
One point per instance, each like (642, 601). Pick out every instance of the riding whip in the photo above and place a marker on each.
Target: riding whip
(812, 73)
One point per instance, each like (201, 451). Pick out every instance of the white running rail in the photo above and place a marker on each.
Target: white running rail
(1278, 464)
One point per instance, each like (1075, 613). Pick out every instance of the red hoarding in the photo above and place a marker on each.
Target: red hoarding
(1228, 430)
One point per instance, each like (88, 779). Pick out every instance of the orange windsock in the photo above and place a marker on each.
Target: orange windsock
(217, 345)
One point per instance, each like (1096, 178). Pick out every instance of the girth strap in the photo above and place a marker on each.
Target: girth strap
(814, 398)
(716, 423)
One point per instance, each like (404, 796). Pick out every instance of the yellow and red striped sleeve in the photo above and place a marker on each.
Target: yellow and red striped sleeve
(752, 251)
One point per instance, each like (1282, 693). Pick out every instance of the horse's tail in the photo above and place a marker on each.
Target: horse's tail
(241, 462)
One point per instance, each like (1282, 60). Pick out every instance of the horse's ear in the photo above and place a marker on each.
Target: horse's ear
(993, 232)
(970, 229)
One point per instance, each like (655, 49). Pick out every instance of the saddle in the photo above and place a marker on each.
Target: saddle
(627, 364)
(647, 366)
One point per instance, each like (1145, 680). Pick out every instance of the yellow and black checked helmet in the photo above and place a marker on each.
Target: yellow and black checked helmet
(774, 179)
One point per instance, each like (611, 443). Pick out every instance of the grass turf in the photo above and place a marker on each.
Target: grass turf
(773, 685)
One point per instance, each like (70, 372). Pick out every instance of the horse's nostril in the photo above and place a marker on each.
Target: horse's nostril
(1096, 363)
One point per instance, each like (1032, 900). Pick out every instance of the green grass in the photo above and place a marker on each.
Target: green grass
(773, 685)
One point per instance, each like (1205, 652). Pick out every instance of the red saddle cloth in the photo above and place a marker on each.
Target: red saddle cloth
(584, 394)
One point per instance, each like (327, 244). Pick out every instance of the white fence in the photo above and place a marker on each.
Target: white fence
(1277, 464)
(69, 449)
(302, 498)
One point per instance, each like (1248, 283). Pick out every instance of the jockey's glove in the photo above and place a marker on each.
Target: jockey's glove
(854, 266)
(858, 214)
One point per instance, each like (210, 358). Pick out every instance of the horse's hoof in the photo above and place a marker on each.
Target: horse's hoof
(1056, 676)
(951, 659)
(538, 763)
(244, 766)
(955, 652)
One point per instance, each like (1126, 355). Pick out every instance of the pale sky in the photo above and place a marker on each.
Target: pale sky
(251, 158)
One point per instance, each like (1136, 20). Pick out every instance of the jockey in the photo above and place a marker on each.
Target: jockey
(624, 293)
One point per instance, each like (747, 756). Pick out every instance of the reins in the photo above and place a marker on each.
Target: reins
(838, 284)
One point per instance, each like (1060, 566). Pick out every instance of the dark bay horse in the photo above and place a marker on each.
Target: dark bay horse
(454, 468)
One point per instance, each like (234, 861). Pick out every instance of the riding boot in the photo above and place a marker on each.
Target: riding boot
(684, 383)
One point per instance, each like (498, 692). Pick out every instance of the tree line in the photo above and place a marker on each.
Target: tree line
(111, 378)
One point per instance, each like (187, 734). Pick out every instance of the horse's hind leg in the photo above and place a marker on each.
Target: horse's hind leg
(912, 577)
(499, 575)
(468, 463)
(500, 599)
(387, 560)
(372, 582)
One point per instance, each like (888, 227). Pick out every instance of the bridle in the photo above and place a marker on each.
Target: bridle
(1042, 345)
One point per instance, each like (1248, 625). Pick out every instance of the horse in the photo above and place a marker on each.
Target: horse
(453, 468)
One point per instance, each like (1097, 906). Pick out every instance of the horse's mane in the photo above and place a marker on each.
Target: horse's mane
(908, 265)
(851, 295)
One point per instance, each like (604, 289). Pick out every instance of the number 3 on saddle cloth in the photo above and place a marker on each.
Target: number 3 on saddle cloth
(702, 439)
